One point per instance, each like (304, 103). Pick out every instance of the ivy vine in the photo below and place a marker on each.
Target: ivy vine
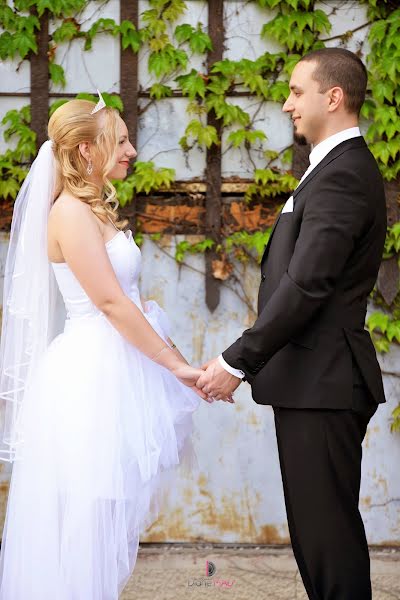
(297, 26)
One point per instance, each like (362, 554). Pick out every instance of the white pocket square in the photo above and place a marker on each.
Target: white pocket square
(288, 206)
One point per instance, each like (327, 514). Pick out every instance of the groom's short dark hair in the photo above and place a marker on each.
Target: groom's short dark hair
(342, 68)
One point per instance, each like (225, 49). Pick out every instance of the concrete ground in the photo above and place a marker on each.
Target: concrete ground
(174, 571)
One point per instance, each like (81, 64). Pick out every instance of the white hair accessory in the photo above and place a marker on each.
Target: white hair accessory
(100, 104)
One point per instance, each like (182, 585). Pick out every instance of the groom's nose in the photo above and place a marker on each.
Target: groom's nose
(288, 106)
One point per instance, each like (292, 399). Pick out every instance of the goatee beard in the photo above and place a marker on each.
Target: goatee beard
(300, 139)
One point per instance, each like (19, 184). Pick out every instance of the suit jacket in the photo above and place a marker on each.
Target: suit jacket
(308, 345)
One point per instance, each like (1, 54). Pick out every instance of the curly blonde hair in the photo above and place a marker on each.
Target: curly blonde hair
(71, 124)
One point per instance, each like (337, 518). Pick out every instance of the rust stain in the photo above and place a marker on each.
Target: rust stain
(252, 419)
(366, 438)
(157, 217)
(202, 480)
(270, 535)
(382, 481)
(167, 527)
(252, 217)
(366, 501)
(188, 495)
(394, 542)
(4, 488)
(199, 331)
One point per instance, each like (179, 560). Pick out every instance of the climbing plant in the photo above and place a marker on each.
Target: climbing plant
(297, 26)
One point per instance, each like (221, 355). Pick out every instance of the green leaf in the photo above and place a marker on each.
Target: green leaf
(395, 425)
(377, 31)
(378, 321)
(166, 61)
(7, 49)
(321, 21)
(393, 331)
(66, 32)
(43, 5)
(101, 26)
(57, 74)
(130, 36)
(279, 91)
(225, 67)
(192, 84)
(24, 42)
(236, 138)
(287, 156)
(382, 345)
(200, 41)
(174, 10)
(218, 84)
(9, 188)
(8, 18)
(204, 135)
(380, 151)
(183, 32)
(229, 113)
(159, 91)
(268, 3)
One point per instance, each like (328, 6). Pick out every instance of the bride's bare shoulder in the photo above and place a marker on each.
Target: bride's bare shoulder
(67, 204)
(69, 209)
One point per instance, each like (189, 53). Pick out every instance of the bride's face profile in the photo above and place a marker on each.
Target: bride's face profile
(125, 154)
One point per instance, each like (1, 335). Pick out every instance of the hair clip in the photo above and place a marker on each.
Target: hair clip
(100, 104)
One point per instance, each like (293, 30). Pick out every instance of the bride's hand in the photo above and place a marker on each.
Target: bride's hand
(188, 376)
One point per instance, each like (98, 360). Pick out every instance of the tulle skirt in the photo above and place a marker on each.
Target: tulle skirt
(103, 427)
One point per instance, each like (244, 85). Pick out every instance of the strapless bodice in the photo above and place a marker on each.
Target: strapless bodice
(125, 258)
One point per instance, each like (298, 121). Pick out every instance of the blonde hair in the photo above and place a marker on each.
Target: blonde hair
(71, 124)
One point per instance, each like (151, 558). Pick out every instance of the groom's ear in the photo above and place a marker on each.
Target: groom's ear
(336, 98)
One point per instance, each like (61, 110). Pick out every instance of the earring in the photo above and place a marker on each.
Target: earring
(89, 168)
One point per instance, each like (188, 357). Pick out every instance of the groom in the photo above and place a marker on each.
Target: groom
(308, 354)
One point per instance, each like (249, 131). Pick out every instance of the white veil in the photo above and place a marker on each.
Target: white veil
(31, 300)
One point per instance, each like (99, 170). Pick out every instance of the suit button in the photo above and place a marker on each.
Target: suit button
(263, 277)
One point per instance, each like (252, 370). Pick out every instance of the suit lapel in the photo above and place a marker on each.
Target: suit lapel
(357, 142)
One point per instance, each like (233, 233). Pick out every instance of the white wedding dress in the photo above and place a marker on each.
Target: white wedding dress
(103, 427)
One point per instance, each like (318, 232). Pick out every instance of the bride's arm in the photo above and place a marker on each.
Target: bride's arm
(82, 246)
(176, 350)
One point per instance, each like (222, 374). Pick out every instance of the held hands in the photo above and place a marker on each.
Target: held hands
(211, 382)
(217, 383)
(189, 376)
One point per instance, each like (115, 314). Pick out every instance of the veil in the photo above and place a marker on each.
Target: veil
(31, 300)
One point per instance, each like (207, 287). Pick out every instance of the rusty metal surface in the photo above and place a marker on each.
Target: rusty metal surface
(234, 494)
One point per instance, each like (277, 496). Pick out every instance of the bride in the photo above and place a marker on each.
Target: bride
(95, 414)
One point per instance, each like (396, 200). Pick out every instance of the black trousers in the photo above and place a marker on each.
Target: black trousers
(320, 459)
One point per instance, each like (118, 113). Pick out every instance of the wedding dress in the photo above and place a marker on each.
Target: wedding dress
(103, 427)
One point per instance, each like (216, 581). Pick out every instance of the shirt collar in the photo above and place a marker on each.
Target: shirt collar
(323, 148)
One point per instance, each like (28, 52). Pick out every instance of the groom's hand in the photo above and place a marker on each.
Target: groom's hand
(217, 383)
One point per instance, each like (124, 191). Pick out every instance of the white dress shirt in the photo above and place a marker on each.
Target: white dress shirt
(317, 154)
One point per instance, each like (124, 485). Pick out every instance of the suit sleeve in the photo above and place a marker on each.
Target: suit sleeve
(334, 217)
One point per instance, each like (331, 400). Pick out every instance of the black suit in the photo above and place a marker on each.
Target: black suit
(308, 350)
